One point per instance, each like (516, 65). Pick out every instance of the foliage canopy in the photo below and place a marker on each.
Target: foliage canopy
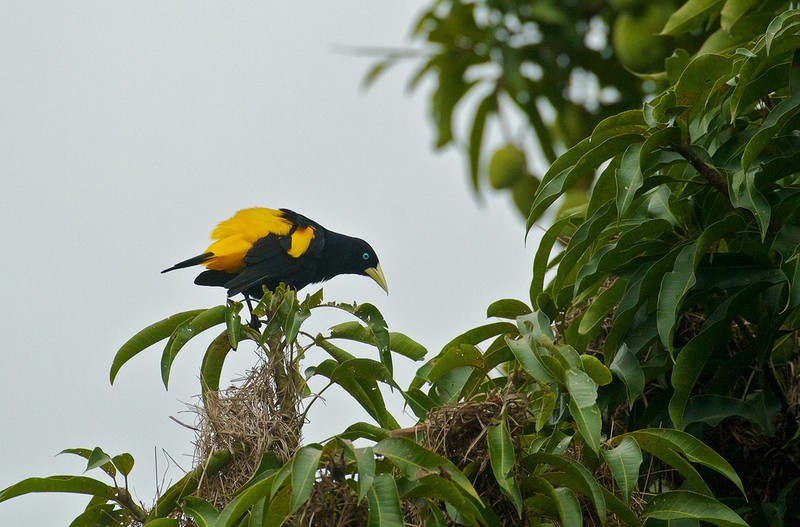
(656, 356)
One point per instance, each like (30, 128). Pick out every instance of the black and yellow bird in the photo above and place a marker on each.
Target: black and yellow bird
(261, 247)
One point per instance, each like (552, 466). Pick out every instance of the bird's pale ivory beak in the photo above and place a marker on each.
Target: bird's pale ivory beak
(377, 274)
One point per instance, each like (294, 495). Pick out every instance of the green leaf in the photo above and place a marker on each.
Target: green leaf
(185, 332)
(460, 507)
(363, 389)
(384, 503)
(305, 464)
(777, 119)
(362, 368)
(700, 78)
(712, 409)
(362, 430)
(691, 360)
(628, 179)
(567, 170)
(578, 248)
(149, 336)
(620, 509)
(213, 360)
(95, 458)
(691, 15)
(581, 387)
(677, 283)
(587, 419)
(365, 460)
(732, 12)
(70, 484)
(398, 342)
(627, 367)
(406, 346)
(579, 478)
(486, 107)
(507, 308)
(479, 334)
(525, 351)
(200, 511)
(542, 257)
(277, 510)
(567, 505)
(124, 463)
(596, 370)
(744, 194)
(503, 460)
(168, 502)
(464, 355)
(416, 461)
(238, 506)
(600, 307)
(624, 461)
(98, 458)
(294, 320)
(233, 322)
(694, 449)
(420, 402)
(626, 122)
(162, 522)
(682, 504)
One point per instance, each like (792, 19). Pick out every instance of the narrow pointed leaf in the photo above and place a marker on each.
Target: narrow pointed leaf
(384, 503)
(149, 336)
(70, 484)
(503, 461)
(98, 458)
(579, 477)
(233, 323)
(691, 447)
(213, 361)
(627, 367)
(486, 107)
(238, 506)
(200, 511)
(682, 504)
(305, 464)
(185, 332)
(567, 505)
(365, 458)
(783, 112)
(456, 357)
(417, 461)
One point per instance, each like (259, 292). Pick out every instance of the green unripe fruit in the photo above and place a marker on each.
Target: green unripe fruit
(636, 41)
(507, 165)
(523, 193)
(627, 5)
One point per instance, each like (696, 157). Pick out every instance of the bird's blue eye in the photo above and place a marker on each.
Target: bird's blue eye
(365, 256)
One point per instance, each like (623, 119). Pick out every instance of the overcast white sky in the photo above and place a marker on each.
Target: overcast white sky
(128, 130)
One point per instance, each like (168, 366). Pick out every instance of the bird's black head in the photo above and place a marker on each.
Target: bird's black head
(348, 255)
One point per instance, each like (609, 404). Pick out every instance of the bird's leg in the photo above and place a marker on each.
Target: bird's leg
(254, 323)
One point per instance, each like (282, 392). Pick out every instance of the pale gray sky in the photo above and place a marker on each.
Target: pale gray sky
(129, 129)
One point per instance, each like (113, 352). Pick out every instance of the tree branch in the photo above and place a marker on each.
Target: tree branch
(710, 174)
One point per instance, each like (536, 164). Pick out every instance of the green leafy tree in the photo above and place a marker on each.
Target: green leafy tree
(657, 354)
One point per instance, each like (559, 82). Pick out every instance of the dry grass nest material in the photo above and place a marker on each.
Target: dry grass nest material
(459, 433)
(253, 417)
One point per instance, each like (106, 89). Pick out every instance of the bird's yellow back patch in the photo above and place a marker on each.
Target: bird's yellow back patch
(235, 236)
(301, 239)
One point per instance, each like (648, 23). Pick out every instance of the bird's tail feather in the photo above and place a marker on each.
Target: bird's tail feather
(197, 260)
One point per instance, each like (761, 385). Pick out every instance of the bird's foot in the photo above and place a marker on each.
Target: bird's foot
(255, 323)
